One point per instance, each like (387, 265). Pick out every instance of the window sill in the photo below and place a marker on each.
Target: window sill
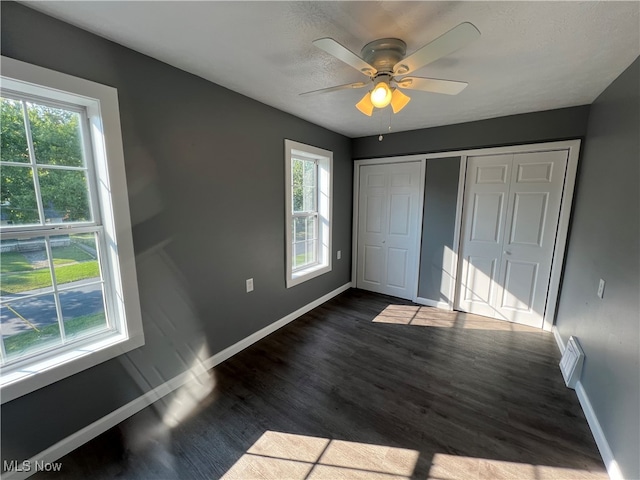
(302, 276)
(24, 380)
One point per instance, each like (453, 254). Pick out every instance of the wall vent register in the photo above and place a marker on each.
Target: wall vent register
(571, 362)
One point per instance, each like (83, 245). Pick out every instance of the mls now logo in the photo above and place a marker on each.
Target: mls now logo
(29, 466)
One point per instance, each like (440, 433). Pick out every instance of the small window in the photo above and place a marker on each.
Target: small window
(68, 290)
(308, 203)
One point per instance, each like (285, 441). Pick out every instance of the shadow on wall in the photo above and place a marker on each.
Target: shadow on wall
(175, 336)
(175, 340)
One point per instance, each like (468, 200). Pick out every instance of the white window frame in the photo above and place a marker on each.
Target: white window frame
(102, 111)
(324, 178)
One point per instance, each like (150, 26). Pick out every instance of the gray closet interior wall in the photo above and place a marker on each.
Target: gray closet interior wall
(438, 225)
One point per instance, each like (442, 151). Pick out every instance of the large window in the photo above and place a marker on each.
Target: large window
(308, 181)
(68, 291)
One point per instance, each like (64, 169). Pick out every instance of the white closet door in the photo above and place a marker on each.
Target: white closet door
(530, 236)
(512, 205)
(484, 214)
(388, 228)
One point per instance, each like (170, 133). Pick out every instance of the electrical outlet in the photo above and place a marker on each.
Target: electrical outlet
(339, 254)
(249, 285)
(601, 288)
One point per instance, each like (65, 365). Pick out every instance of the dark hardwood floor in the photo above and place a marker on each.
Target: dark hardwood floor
(364, 386)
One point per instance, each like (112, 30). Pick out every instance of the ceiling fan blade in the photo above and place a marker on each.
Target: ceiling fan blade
(336, 88)
(365, 105)
(399, 100)
(332, 47)
(445, 44)
(434, 85)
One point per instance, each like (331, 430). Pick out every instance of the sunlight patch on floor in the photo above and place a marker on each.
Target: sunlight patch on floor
(277, 455)
(452, 467)
(433, 317)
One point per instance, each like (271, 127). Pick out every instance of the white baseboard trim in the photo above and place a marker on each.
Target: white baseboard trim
(433, 303)
(559, 341)
(103, 424)
(601, 441)
(260, 334)
(596, 430)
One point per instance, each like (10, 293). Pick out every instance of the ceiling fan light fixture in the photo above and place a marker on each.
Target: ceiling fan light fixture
(384, 59)
(381, 95)
(399, 100)
(365, 105)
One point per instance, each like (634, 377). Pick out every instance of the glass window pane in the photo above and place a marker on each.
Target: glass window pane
(297, 172)
(297, 196)
(304, 185)
(299, 254)
(83, 311)
(18, 204)
(311, 226)
(305, 253)
(13, 139)
(29, 325)
(310, 197)
(75, 259)
(305, 228)
(24, 267)
(65, 195)
(311, 252)
(310, 173)
(57, 139)
(297, 199)
(300, 229)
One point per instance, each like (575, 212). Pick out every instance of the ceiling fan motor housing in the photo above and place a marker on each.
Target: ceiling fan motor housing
(384, 53)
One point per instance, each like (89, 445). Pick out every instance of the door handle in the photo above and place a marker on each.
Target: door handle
(507, 252)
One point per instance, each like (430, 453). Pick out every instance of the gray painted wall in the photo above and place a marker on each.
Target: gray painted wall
(547, 126)
(438, 226)
(205, 174)
(205, 171)
(604, 243)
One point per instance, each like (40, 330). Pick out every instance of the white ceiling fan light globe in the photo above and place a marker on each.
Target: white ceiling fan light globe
(381, 95)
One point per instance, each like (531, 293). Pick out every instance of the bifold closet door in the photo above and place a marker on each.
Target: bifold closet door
(388, 228)
(510, 221)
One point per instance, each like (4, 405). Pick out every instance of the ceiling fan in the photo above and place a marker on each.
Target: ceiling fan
(384, 62)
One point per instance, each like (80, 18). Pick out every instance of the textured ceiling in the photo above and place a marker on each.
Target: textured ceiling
(531, 56)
